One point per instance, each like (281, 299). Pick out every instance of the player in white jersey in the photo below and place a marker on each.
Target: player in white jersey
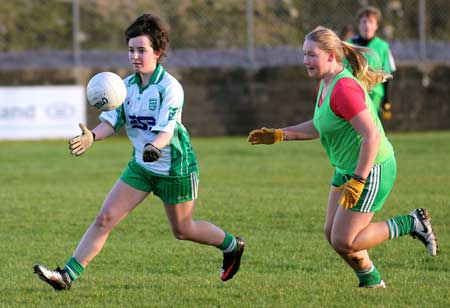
(163, 161)
(150, 110)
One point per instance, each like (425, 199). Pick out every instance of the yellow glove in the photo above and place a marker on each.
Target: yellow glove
(265, 136)
(386, 112)
(79, 144)
(352, 191)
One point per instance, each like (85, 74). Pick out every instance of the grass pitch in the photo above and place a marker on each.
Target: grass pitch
(273, 196)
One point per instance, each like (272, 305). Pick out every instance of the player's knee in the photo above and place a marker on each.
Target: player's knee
(341, 245)
(180, 233)
(104, 221)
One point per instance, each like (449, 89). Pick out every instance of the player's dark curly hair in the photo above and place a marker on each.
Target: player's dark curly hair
(154, 28)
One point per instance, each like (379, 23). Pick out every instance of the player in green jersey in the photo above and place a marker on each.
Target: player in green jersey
(368, 21)
(163, 161)
(346, 122)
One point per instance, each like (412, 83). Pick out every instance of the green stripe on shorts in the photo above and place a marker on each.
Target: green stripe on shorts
(170, 189)
(379, 184)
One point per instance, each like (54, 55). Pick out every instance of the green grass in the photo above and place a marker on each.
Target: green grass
(273, 196)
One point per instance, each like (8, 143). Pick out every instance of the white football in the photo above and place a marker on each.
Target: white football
(106, 91)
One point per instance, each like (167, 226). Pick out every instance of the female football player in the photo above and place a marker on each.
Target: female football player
(163, 161)
(347, 124)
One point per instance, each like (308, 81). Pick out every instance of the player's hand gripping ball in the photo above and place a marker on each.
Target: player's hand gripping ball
(106, 91)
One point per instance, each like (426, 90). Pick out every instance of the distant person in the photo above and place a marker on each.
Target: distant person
(357, 147)
(369, 19)
(347, 32)
(163, 161)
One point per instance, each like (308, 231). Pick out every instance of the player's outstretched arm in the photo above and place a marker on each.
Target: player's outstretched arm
(302, 131)
(265, 136)
(79, 144)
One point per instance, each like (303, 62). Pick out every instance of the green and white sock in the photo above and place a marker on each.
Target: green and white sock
(229, 243)
(400, 225)
(74, 268)
(369, 277)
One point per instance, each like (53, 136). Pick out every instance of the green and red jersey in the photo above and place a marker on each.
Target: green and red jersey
(340, 140)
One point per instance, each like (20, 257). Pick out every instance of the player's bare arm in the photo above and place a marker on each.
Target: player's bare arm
(103, 130)
(162, 140)
(152, 151)
(302, 131)
(80, 144)
(365, 126)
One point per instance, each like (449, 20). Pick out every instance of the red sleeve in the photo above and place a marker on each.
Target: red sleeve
(347, 98)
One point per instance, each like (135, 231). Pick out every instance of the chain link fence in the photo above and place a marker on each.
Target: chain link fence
(66, 41)
(207, 32)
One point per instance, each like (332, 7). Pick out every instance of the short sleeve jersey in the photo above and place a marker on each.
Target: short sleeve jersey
(340, 140)
(347, 98)
(148, 110)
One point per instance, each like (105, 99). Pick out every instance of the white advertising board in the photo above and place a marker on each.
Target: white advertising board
(41, 112)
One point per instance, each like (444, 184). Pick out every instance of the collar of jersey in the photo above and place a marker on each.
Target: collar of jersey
(359, 40)
(156, 77)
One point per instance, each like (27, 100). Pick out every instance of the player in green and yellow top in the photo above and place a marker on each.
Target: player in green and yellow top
(346, 122)
(368, 21)
(163, 161)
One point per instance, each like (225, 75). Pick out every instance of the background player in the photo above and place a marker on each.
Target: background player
(369, 19)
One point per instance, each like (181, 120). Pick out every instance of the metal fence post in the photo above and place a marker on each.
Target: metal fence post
(250, 34)
(76, 40)
(422, 30)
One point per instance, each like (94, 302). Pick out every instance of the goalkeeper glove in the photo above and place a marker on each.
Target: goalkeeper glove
(79, 144)
(386, 112)
(151, 153)
(352, 191)
(266, 136)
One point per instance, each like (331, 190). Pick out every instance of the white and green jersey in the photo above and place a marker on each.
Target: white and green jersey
(148, 110)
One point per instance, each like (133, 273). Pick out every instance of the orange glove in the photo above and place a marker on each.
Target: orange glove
(265, 136)
(351, 192)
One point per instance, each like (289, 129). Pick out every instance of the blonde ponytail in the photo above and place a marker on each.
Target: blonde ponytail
(367, 75)
(331, 43)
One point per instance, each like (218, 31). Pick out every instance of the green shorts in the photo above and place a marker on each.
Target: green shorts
(170, 189)
(379, 184)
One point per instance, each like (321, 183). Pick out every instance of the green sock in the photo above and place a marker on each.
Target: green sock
(369, 277)
(400, 225)
(229, 243)
(74, 268)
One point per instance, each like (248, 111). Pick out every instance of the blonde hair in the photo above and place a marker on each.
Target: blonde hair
(329, 41)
